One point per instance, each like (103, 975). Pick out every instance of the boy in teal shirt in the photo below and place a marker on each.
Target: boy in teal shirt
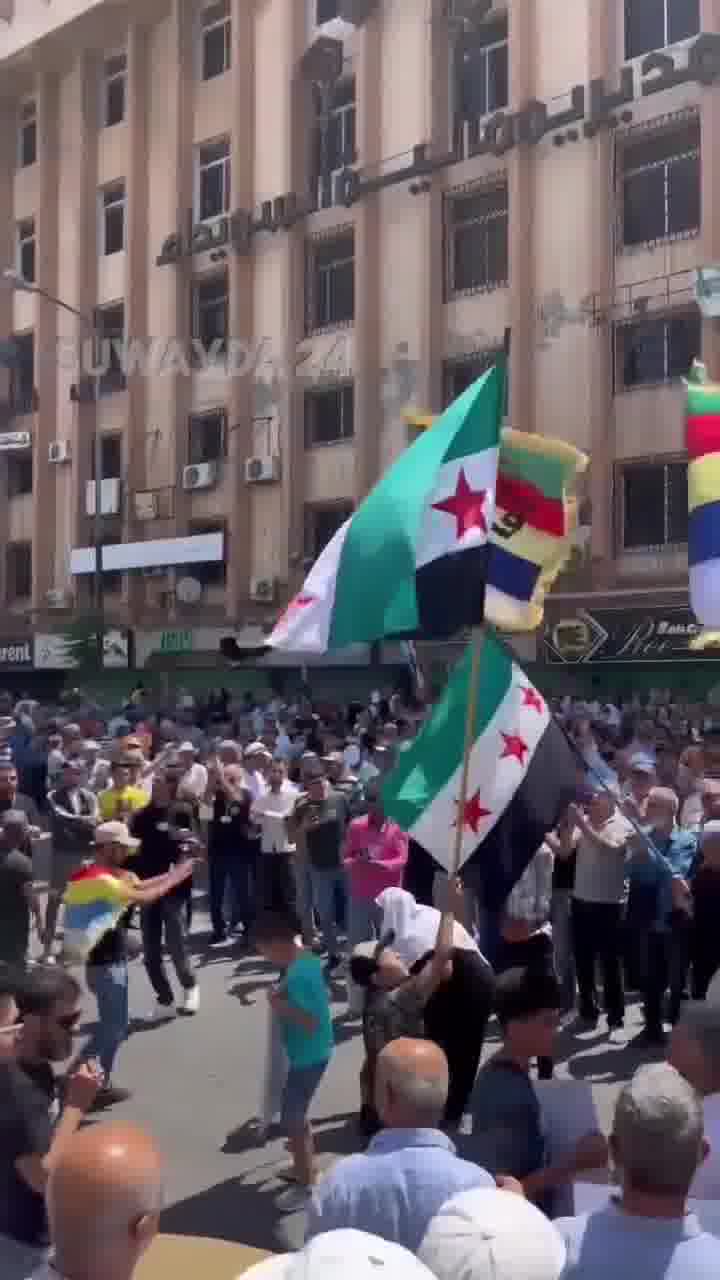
(301, 1002)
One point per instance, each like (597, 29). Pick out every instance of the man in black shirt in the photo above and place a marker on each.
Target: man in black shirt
(30, 1141)
(159, 828)
(18, 899)
(320, 819)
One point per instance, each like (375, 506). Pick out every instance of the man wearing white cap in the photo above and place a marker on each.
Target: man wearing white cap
(194, 781)
(489, 1234)
(359, 1255)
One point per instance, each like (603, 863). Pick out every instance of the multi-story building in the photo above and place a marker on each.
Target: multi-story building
(294, 220)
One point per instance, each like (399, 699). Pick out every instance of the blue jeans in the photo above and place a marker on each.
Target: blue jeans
(109, 985)
(326, 886)
(364, 923)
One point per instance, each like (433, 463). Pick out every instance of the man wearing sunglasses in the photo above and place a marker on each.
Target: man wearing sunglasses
(48, 1004)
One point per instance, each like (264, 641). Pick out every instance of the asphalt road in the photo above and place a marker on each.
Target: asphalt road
(197, 1081)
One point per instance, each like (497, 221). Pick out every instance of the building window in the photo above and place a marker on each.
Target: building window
(460, 374)
(326, 10)
(653, 24)
(18, 566)
(206, 437)
(476, 238)
(112, 579)
(27, 136)
(334, 138)
(656, 349)
(216, 40)
(19, 475)
(112, 219)
(210, 313)
(329, 415)
(26, 249)
(212, 186)
(654, 506)
(22, 375)
(111, 325)
(480, 78)
(214, 572)
(111, 459)
(660, 184)
(331, 282)
(113, 90)
(321, 525)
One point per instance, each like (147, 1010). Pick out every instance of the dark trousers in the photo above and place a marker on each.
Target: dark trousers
(705, 952)
(239, 872)
(656, 978)
(276, 889)
(537, 954)
(456, 1017)
(598, 937)
(166, 917)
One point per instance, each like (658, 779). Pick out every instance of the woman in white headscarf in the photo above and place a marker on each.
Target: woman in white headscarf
(415, 927)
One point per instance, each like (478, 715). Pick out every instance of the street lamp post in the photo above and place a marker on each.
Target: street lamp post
(14, 280)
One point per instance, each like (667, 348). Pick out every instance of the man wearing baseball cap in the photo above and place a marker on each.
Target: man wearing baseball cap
(107, 960)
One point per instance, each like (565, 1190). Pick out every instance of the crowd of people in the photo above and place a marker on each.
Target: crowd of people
(275, 808)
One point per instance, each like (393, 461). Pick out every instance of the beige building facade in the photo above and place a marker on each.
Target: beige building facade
(295, 220)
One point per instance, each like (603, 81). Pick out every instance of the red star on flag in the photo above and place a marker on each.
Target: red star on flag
(474, 813)
(467, 506)
(515, 748)
(531, 698)
(300, 602)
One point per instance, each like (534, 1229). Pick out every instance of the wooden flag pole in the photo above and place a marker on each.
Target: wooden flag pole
(478, 640)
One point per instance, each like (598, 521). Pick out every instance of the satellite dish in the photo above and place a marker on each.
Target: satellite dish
(188, 590)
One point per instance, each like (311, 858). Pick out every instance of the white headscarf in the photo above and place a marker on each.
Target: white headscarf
(415, 927)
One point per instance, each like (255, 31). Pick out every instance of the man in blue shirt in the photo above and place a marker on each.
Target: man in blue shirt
(658, 868)
(410, 1169)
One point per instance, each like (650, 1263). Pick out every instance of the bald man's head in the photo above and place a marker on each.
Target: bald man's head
(104, 1198)
(411, 1084)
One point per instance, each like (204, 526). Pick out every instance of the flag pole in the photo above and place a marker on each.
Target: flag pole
(478, 640)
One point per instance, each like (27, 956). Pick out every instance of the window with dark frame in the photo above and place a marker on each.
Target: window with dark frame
(18, 567)
(28, 135)
(481, 75)
(213, 573)
(112, 579)
(111, 461)
(210, 312)
(326, 10)
(111, 324)
(331, 282)
(334, 139)
(476, 237)
(113, 218)
(656, 349)
(19, 474)
(22, 374)
(321, 525)
(206, 437)
(329, 415)
(114, 90)
(26, 249)
(459, 374)
(213, 180)
(654, 509)
(655, 24)
(659, 184)
(216, 40)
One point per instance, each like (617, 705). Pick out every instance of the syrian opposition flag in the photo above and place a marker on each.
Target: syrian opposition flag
(522, 775)
(412, 558)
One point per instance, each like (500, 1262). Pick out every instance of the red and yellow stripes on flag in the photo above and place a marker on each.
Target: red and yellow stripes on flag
(702, 429)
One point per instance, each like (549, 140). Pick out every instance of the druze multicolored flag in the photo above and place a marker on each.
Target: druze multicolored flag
(703, 448)
(522, 774)
(95, 900)
(412, 558)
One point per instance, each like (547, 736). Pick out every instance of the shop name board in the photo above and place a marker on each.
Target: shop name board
(627, 636)
(176, 642)
(16, 653)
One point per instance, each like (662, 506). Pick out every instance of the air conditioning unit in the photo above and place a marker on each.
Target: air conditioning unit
(201, 475)
(147, 505)
(109, 497)
(262, 590)
(57, 598)
(59, 451)
(262, 470)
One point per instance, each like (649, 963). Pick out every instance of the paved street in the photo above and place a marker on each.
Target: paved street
(197, 1084)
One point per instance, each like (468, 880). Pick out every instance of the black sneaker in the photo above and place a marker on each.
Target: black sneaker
(110, 1097)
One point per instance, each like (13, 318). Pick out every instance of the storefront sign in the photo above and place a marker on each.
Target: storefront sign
(15, 654)
(176, 642)
(624, 636)
(63, 651)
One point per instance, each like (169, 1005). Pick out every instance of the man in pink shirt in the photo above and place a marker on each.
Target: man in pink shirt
(375, 854)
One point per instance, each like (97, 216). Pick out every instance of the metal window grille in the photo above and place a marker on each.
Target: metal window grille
(216, 40)
(460, 373)
(481, 79)
(329, 415)
(654, 511)
(476, 240)
(206, 437)
(212, 197)
(656, 349)
(330, 287)
(654, 24)
(321, 525)
(210, 311)
(659, 184)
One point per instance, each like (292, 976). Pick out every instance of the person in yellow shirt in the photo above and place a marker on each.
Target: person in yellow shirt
(122, 799)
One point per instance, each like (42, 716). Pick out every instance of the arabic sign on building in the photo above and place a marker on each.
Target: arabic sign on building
(624, 636)
(61, 651)
(16, 655)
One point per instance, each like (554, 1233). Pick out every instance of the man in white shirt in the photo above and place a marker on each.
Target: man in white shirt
(194, 781)
(257, 761)
(695, 1053)
(272, 811)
